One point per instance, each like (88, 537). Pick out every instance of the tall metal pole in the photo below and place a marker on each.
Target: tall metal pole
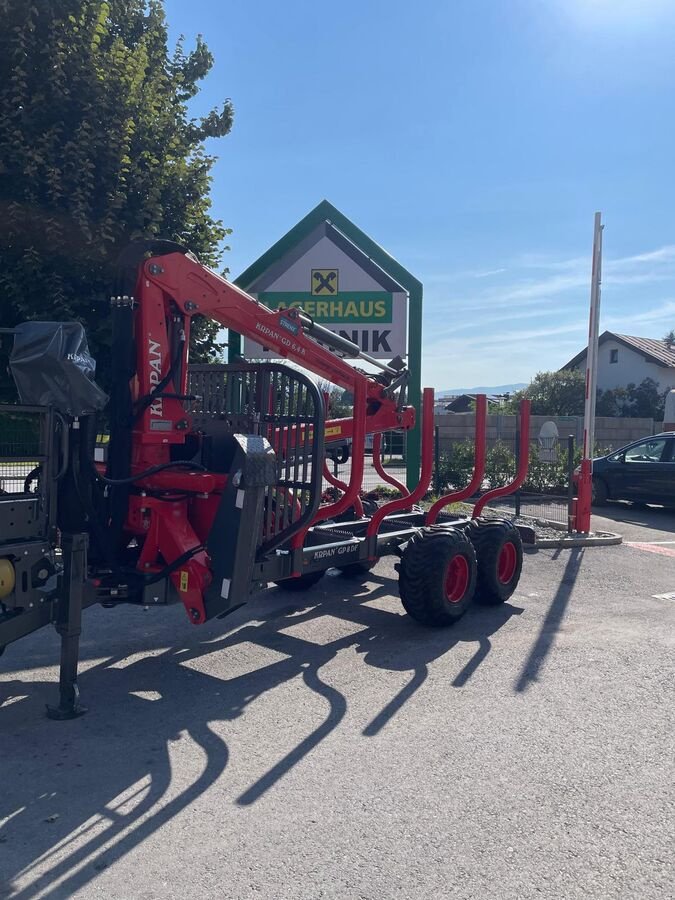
(583, 518)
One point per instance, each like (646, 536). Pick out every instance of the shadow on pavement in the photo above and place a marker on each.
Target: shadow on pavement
(86, 793)
(660, 518)
(552, 620)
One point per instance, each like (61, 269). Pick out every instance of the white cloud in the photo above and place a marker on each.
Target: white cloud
(568, 275)
(467, 340)
(662, 255)
(663, 313)
(488, 273)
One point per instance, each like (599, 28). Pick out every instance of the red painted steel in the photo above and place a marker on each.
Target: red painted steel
(379, 468)
(521, 474)
(478, 466)
(171, 289)
(427, 467)
(457, 579)
(507, 562)
(340, 485)
(355, 474)
(584, 497)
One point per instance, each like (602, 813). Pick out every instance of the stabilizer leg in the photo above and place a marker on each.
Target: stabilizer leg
(69, 626)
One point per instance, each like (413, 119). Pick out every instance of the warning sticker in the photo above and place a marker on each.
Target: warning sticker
(184, 581)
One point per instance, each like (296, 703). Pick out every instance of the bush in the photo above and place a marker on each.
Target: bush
(500, 466)
(380, 492)
(455, 467)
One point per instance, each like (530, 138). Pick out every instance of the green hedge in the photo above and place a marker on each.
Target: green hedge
(456, 466)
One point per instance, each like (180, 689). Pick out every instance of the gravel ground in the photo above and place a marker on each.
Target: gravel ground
(542, 529)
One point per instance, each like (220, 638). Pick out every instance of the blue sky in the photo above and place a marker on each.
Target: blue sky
(474, 140)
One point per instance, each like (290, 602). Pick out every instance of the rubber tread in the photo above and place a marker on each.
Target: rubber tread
(422, 575)
(488, 536)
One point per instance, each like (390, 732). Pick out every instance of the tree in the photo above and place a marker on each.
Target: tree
(613, 402)
(670, 338)
(340, 404)
(648, 401)
(553, 394)
(97, 148)
(642, 401)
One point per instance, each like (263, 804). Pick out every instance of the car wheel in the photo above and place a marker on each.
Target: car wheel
(599, 492)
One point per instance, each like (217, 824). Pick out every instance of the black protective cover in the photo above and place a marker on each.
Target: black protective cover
(52, 366)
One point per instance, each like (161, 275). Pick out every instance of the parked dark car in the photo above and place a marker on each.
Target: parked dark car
(643, 472)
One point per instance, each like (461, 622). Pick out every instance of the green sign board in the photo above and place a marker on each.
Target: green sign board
(346, 306)
(348, 283)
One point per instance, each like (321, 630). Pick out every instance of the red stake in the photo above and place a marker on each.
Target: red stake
(478, 466)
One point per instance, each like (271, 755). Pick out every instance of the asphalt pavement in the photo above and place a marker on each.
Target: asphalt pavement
(325, 746)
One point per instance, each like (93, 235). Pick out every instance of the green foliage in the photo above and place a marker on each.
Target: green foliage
(456, 467)
(549, 477)
(381, 492)
(612, 403)
(562, 394)
(552, 394)
(97, 148)
(642, 401)
(339, 406)
(500, 465)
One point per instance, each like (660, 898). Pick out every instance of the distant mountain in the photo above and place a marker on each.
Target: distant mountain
(494, 389)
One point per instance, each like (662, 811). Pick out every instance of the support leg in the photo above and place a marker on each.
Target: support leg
(69, 626)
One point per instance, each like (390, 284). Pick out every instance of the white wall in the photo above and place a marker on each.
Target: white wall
(631, 367)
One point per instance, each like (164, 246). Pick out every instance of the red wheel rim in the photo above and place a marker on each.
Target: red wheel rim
(456, 579)
(506, 564)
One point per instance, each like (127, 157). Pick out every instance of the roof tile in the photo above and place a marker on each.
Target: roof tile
(658, 349)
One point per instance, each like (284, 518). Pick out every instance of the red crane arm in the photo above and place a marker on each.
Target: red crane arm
(174, 287)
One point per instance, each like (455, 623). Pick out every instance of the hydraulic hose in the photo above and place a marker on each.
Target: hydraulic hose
(147, 472)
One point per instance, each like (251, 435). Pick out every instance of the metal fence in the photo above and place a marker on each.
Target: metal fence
(545, 495)
(393, 457)
(23, 442)
(547, 491)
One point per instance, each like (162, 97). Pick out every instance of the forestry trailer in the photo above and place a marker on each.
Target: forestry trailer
(210, 486)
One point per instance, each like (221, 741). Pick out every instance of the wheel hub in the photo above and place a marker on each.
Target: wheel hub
(456, 579)
(507, 562)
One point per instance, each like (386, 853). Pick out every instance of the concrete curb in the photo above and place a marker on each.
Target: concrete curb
(598, 539)
(528, 532)
(605, 539)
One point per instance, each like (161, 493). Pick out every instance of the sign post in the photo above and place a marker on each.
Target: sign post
(348, 283)
(584, 497)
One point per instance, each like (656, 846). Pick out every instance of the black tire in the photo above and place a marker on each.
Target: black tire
(499, 555)
(357, 569)
(600, 493)
(437, 576)
(370, 507)
(303, 583)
